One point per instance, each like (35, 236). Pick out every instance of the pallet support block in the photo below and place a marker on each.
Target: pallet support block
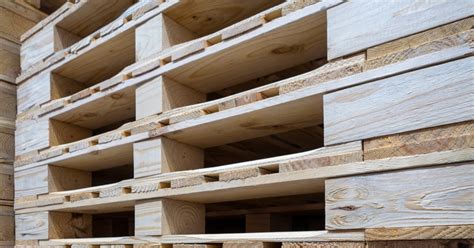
(159, 33)
(164, 155)
(441, 195)
(49, 178)
(167, 217)
(52, 225)
(163, 94)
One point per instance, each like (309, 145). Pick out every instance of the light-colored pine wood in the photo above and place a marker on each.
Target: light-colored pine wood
(62, 132)
(163, 94)
(421, 244)
(420, 197)
(7, 220)
(166, 216)
(414, 233)
(249, 244)
(6, 182)
(61, 179)
(353, 22)
(419, 39)
(52, 225)
(31, 182)
(13, 25)
(413, 99)
(450, 137)
(10, 63)
(159, 33)
(323, 244)
(164, 155)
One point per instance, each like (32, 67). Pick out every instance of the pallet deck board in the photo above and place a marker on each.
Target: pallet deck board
(228, 124)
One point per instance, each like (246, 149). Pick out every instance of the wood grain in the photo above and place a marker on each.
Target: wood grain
(440, 195)
(443, 138)
(434, 96)
(414, 233)
(166, 216)
(353, 22)
(323, 245)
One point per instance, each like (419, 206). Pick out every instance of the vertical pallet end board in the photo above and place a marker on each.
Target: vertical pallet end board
(166, 216)
(52, 225)
(415, 100)
(159, 33)
(49, 178)
(37, 47)
(164, 155)
(36, 134)
(6, 182)
(7, 221)
(442, 195)
(163, 94)
(353, 22)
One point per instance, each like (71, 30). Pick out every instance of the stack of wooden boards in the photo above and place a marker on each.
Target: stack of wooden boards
(298, 123)
(16, 17)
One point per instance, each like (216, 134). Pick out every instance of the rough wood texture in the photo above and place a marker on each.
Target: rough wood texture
(450, 137)
(421, 244)
(414, 233)
(7, 221)
(166, 216)
(419, 197)
(6, 182)
(353, 22)
(324, 245)
(159, 33)
(164, 94)
(164, 155)
(413, 99)
(52, 225)
(13, 25)
(401, 47)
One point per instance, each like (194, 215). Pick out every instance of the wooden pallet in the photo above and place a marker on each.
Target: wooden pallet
(245, 127)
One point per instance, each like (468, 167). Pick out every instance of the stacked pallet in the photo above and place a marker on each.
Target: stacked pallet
(260, 123)
(16, 17)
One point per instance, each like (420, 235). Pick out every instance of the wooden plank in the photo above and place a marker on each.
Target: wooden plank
(353, 22)
(7, 232)
(164, 94)
(38, 47)
(10, 54)
(203, 19)
(6, 182)
(450, 137)
(419, 233)
(375, 74)
(31, 182)
(44, 225)
(323, 244)
(298, 182)
(421, 244)
(32, 226)
(300, 40)
(436, 196)
(165, 216)
(33, 92)
(159, 33)
(167, 240)
(249, 244)
(420, 39)
(164, 155)
(326, 156)
(13, 25)
(412, 99)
